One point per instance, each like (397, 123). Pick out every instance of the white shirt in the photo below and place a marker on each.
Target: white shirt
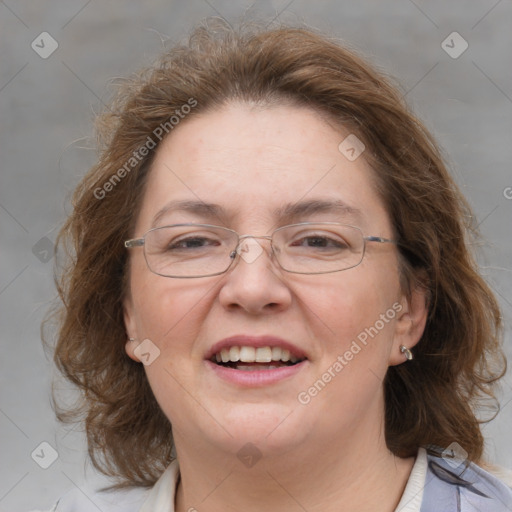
(161, 497)
(413, 493)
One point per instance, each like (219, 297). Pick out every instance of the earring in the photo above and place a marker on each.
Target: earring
(131, 339)
(406, 352)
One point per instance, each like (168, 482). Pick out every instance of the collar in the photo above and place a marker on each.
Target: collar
(433, 485)
(163, 494)
(413, 493)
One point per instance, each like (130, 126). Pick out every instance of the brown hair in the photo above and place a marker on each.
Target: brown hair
(430, 400)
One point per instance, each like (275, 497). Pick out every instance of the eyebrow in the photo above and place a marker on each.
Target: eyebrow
(294, 211)
(197, 208)
(287, 213)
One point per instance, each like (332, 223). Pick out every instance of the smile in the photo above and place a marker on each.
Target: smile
(253, 361)
(247, 358)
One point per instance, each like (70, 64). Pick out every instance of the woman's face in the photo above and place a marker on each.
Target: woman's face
(346, 326)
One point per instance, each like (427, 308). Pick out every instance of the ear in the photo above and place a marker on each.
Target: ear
(410, 323)
(131, 329)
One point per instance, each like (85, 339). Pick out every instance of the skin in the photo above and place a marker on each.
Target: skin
(329, 454)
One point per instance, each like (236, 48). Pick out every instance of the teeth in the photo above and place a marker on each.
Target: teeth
(247, 354)
(234, 354)
(224, 354)
(263, 355)
(254, 355)
(285, 355)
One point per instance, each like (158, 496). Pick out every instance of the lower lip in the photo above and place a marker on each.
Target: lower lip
(255, 378)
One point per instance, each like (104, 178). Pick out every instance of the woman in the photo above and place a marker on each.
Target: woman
(271, 303)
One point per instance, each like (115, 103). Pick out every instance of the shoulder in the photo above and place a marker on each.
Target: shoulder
(77, 500)
(134, 499)
(503, 474)
(454, 485)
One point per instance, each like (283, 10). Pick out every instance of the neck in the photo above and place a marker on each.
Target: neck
(356, 473)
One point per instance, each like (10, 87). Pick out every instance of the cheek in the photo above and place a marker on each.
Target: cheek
(354, 345)
(168, 312)
(355, 342)
(345, 306)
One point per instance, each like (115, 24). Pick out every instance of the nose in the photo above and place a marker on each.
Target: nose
(255, 283)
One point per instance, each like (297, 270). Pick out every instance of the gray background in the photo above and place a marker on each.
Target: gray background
(47, 107)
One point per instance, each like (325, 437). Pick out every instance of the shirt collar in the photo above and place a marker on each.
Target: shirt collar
(163, 494)
(413, 493)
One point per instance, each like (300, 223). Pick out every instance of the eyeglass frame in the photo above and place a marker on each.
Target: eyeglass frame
(140, 242)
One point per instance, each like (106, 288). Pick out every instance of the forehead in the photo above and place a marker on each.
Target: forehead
(242, 163)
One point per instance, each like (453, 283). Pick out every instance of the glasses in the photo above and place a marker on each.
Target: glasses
(202, 250)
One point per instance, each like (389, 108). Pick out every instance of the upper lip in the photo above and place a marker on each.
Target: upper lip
(244, 340)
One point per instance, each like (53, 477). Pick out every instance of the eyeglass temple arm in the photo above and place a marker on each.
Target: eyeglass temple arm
(379, 239)
(134, 242)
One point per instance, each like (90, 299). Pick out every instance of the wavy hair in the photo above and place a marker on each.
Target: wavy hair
(429, 401)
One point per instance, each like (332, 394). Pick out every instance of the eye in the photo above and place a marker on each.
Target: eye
(320, 241)
(192, 242)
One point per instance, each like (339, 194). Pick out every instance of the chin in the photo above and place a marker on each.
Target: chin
(270, 427)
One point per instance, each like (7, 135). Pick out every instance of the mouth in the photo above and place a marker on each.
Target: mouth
(249, 358)
(250, 361)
